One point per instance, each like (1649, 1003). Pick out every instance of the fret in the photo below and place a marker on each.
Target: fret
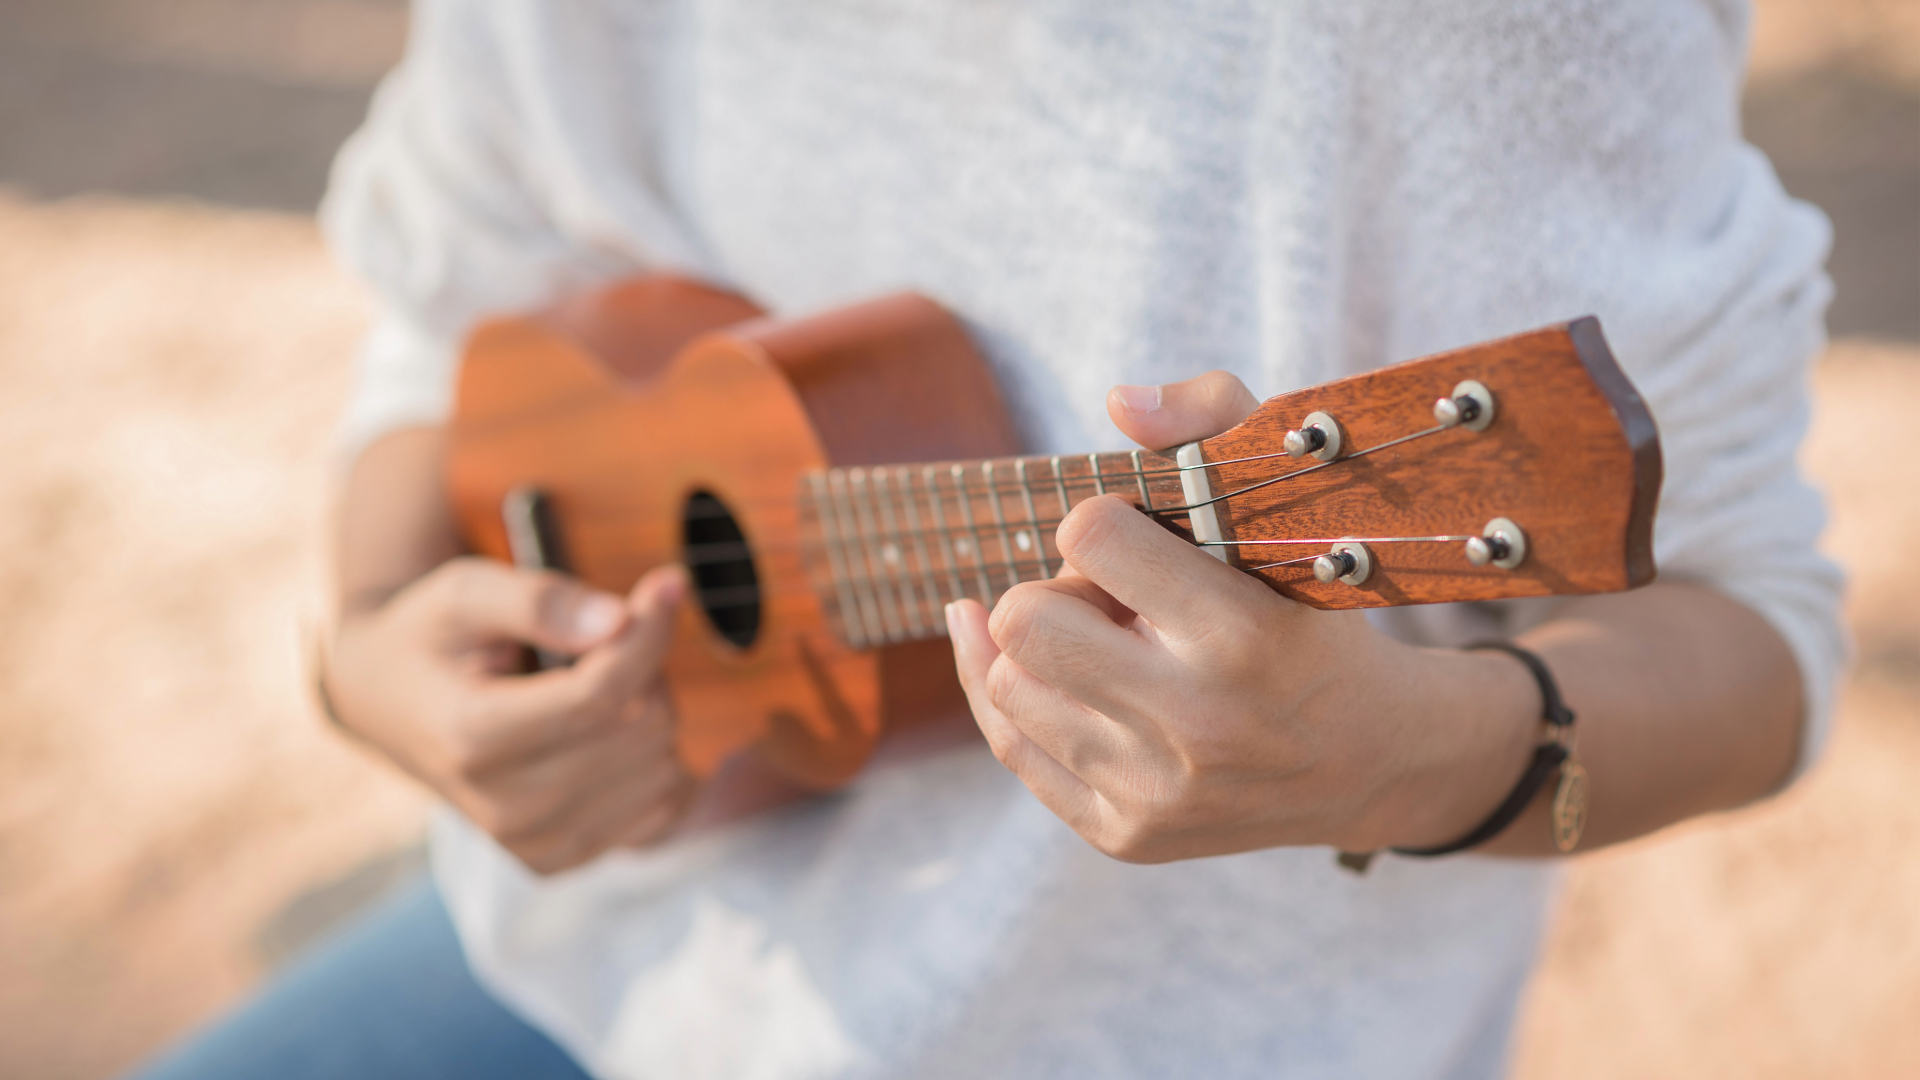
(889, 602)
(869, 601)
(928, 582)
(895, 555)
(1000, 523)
(880, 540)
(931, 478)
(837, 562)
(1033, 520)
(1060, 487)
(966, 517)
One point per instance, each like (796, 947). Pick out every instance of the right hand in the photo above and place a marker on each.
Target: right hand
(557, 765)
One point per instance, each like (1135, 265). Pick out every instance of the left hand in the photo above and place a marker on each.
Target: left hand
(1167, 706)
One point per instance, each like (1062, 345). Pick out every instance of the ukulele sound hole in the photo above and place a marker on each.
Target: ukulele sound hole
(722, 567)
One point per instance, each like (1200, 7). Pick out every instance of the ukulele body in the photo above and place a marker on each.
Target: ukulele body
(652, 412)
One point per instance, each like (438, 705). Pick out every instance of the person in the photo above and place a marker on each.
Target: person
(1130, 875)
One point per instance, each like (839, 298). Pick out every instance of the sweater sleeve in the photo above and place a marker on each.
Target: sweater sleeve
(1732, 398)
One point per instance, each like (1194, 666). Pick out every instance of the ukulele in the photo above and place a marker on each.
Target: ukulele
(831, 482)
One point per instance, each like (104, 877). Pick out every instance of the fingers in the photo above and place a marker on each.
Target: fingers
(620, 786)
(549, 785)
(1181, 590)
(635, 659)
(524, 716)
(635, 802)
(484, 599)
(1074, 637)
(1072, 583)
(974, 656)
(1158, 417)
(659, 822)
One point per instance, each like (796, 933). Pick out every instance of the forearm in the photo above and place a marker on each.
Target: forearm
(394, 522)
(1688, 702)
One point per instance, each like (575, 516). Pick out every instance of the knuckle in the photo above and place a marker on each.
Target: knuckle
(1005, 746)
(1151, 804)
(1232, 638)
(1220, 385)
(1125, 842)
(1204, 748)
(1015, 617)
(1227, 397)
(1089, 525)
(1003, 684)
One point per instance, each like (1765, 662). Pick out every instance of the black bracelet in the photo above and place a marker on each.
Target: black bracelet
(1550, 757)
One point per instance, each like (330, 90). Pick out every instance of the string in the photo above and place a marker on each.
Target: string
(1437, 428)
(1096, 478)
(1301, 561)
(720, 551)
(1339, 540)
(886, 606)
(1041, 567)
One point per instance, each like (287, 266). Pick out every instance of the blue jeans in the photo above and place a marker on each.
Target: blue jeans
(388, 998)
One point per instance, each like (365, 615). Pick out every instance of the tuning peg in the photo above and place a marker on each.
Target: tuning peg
(1351, 563)
(1481, 551)
(1319, 435)
(1500, 543)
(1470, 406)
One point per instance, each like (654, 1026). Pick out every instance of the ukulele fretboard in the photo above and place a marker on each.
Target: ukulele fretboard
(896, 543)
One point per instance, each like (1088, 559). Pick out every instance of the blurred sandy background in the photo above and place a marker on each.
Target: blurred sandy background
(175, 821)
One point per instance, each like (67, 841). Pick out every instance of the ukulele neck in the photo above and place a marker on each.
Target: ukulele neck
(900, 542)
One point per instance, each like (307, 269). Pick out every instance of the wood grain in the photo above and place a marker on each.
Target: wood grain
(583, 402)
(1573, 459)
(624, 403)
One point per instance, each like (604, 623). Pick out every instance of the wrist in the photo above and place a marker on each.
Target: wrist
(1467, 727)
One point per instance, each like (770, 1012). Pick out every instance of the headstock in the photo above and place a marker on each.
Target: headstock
(1526, 466)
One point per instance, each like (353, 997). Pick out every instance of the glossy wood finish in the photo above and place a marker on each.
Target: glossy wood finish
(623, 404)
(1571, 456)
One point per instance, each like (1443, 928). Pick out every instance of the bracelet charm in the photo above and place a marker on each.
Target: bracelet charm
(1569, 806)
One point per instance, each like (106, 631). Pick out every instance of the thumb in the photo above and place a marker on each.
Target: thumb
(654, 600)
(633, 660)
(490, 600)
(1159, 417)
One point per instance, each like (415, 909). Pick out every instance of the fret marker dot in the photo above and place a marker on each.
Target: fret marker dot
(1023, 541)
(962, 547)
(890, 553)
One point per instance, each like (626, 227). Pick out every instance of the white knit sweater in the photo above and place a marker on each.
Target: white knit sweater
(1291, 190)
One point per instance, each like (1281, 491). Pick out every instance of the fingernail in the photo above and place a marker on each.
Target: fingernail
(596, 616)
(1139, 399)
